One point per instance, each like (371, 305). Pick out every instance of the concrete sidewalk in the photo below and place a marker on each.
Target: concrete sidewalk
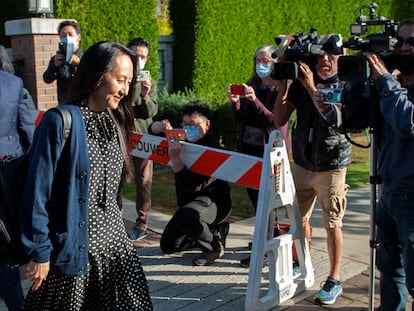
(177, 285)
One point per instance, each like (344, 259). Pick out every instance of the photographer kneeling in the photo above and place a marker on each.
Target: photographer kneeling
(204, 202)
(395, 208)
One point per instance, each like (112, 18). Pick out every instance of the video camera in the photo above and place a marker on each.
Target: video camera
(356, 68)
(299, 47)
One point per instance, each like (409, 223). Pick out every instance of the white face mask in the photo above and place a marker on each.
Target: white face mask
(192, 133)
(71, 46)
(141, 64)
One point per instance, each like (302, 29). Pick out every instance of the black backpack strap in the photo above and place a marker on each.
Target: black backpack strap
(67, 123)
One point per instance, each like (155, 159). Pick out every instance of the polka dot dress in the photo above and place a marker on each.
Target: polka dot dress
(116, 280)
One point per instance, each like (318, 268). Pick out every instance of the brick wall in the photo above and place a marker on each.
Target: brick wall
(34, 41)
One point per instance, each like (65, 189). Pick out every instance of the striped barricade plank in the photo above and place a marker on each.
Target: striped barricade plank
(226, 165)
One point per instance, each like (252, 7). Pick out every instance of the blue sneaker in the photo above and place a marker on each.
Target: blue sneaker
(297, 271)
(331, 290)
(136, 234)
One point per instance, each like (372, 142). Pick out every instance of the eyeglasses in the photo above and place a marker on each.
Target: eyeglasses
(184, 125)
(262, 61)
(409, 41)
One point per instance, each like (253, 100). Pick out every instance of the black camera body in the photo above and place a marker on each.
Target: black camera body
(360, 108)
(299, 47)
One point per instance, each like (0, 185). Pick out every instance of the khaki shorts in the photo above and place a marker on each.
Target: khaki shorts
(328, 187)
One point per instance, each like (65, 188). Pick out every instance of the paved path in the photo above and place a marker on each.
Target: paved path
(177, 285)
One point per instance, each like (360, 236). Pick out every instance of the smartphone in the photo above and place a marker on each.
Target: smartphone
(237, 89)
(62, 49)
(144, 75)
(180, 133)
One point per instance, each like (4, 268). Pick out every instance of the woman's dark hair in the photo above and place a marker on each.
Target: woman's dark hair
(95, 63)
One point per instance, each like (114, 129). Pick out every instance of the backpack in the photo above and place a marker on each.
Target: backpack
(12, 181)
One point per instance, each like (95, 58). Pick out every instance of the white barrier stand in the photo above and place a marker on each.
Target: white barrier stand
(276, 190)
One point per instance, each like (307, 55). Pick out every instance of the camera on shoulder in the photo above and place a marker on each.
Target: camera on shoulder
(356, 68)
(299, 47)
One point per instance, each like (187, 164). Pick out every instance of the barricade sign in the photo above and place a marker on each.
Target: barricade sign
(277, 190)
(226, 165)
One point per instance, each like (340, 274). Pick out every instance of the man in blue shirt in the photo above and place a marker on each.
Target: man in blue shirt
(395, 211)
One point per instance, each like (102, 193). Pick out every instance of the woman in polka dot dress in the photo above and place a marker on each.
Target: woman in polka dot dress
(80, 256)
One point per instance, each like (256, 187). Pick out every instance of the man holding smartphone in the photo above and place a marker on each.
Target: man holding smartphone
(145, 107)
(62, 66)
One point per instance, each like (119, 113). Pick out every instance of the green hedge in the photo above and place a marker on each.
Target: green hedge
(215, 41)
(226, 33)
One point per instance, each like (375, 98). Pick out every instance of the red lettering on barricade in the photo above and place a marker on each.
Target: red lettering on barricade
(150, 147)
(160, 153)
(135, 138)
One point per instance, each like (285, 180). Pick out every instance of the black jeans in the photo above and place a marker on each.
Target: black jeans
(191, 222)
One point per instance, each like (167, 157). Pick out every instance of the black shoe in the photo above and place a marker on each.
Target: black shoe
(245, 262)
(221, 231)
(208, 257)
(250, 246)
(224, 228)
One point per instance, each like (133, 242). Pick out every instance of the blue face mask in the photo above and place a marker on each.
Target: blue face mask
(192, 132)
(263, 70)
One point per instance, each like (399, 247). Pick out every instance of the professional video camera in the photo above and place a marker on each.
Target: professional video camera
(356, 68)
(299, 47)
